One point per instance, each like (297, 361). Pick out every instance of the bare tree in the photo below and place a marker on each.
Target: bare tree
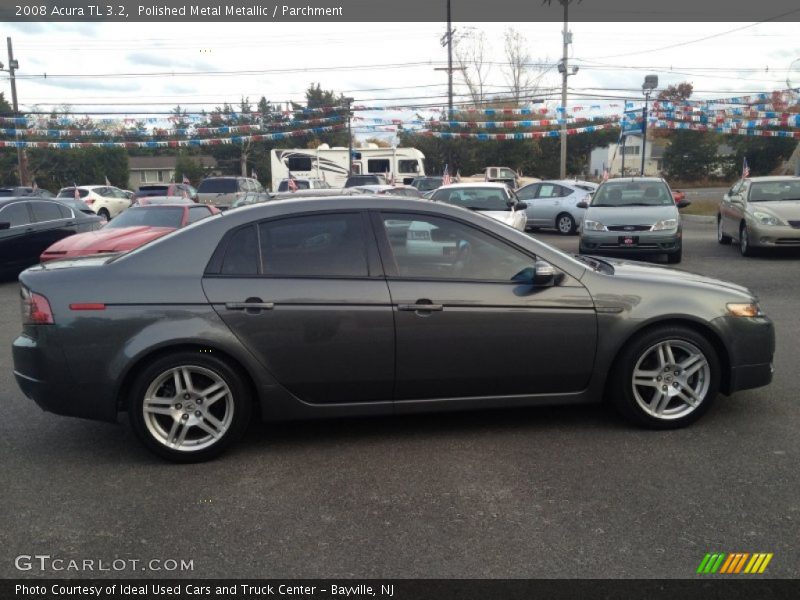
(471, 51)
(523, 79)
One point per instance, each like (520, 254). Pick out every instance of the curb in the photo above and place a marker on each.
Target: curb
(699, 218)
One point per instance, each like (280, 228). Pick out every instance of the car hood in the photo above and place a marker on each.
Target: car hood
(788, 210)
(110, 240)
(631, 215)
(629, 269)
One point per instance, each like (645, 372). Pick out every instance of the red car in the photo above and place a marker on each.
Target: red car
(131, 229)
(678, 196)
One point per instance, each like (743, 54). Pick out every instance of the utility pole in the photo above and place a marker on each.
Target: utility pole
(22, 159)
(349, 136)
(564, 75)
(447, 40)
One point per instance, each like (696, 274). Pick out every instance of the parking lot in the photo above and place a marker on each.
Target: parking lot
(553, 492)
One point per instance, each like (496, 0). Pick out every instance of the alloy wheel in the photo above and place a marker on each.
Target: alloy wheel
(566, 225)
(188, 408)
(671, 379)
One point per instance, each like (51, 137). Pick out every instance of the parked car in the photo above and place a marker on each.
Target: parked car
(633, 216)
(194, 333)
(78, 205)
(494, 200)
(427, 184)
(165, 189)
(21, 190)
(303, 184)
(223, 192)
(133, 228)
(359, 180)
(392, 190)
(106, 201)
(761, 212)
(554, 204)
(678, 196)
(29, 225)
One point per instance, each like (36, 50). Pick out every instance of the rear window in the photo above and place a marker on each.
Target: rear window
(300, 183)
(153, 217)
(218, 186)
(70, 193)
(6, 192)
(362, 180)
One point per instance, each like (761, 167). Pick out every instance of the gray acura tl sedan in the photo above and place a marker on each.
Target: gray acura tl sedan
(371, 305)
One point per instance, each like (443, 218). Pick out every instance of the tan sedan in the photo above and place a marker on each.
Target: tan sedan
(761, 212)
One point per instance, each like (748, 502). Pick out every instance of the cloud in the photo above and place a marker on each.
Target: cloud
(152, 59)
(85, 29)
(90, 85)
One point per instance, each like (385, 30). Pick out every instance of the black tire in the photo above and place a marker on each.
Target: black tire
(643, 350)
(675, 257)
(104, 213)
(721, 237)
(565, 224)
(745, 249)
(190, 413)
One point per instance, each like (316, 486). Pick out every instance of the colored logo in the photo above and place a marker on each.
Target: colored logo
(734, 563)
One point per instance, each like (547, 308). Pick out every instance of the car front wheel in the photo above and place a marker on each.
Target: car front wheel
(744, 242)
(189, 407)
(721, 237)
(666, 378)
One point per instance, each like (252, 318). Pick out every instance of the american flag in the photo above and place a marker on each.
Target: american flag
(185, 180)
(389, 178)
(291, 183)
(254, 175)
(605, 174)
(76, 192)
(34, 187)
(745, 169)
(446, 176)
(107, 181)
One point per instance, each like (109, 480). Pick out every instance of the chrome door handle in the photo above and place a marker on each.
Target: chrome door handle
(249, 305)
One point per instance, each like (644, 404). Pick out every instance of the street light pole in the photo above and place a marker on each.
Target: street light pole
(349, 137)
(22, 159)
(564, 75)
(650, 83)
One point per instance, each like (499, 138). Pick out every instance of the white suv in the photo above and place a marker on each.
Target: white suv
(105, 200)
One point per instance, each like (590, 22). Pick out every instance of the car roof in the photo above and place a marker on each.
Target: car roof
(635, 179)
(477, 184)
(773, 178)
(179, 201)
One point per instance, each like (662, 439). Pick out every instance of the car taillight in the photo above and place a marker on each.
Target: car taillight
(35, 308)
(89, 201)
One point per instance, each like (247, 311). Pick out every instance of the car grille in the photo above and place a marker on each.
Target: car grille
(629, 227)
(795, 224)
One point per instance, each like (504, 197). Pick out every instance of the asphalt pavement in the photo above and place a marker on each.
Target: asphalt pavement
(546, 492)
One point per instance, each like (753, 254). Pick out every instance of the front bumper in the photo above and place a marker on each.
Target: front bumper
(610, 242)
(751, 347)
(780, 236)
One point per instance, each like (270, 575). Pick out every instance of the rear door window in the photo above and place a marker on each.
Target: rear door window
(16, 214)
(241, 255)
(48, 211)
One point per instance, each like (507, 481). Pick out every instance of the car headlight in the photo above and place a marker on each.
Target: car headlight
(664, 224)
(593, 226)
(766, 218)
(748, 309)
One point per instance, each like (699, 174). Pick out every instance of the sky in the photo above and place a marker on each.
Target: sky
(151, 67)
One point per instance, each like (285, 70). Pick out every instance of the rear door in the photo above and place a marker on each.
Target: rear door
(18, 247)
(306, 295)
(52, 222)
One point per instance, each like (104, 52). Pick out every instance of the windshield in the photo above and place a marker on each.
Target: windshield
(301, 184)
(474, 198)
(427, 184)
(70, 193)
(632, 193)
(775, 191)
(153, 217)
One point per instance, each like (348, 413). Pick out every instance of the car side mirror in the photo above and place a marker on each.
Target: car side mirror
(544, 273)
(684, 204)
(5, 225)
(520, 206)
(582, 204)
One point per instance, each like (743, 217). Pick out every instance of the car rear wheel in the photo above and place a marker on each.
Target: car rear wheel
(744, 242)
(104, 213)
(565, 224)
(666, 378)
(721, 237)
(189, 407)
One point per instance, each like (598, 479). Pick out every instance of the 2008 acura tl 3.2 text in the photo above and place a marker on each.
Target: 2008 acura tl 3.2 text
(372, 306)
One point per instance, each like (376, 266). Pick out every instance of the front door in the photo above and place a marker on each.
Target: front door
(306, 295)
(469, 324)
